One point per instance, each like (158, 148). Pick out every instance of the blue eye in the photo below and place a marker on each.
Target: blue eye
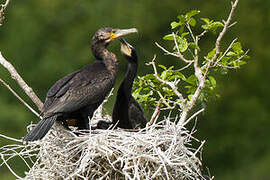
(109, 29)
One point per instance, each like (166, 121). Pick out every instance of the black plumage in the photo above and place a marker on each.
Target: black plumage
(127, 112)
(79, 94)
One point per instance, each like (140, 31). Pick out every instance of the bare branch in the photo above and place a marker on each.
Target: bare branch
(2, 11)
(173, 54)
(10, 169)
(181, 69)
(10, 138)
(224, 30)
(227, 50)
(14, 74)
(202, 34)
(190, 31)
(155, 114)
(193, 116)
(17, 96)
(170, 84)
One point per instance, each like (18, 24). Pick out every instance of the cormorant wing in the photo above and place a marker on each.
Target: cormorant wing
(136, 114)
(57, 87)
(88, 86)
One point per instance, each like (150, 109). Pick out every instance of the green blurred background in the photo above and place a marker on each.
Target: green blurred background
(46, 40)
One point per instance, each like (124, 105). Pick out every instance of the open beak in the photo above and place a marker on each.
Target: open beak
(125, 47)
(122, 32)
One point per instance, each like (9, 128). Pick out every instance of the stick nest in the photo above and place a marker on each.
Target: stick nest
(160, 151)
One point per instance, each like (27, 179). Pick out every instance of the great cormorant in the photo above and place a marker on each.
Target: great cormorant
(79, 94)
(127, 112)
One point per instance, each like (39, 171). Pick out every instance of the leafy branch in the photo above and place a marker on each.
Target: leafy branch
(177, 89)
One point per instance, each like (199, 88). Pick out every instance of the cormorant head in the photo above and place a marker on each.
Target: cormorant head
(128, 51)
(106, 35)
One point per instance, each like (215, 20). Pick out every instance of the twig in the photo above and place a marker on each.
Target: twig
(20, 99)
(227, 50)
(194, 115)
(173, 54)
(156, 113)
(2, 11)
(202, 34)
(14, 74)
(181, 69)
(2, 157)
(172, 85)
(10, 138)
(224, 30)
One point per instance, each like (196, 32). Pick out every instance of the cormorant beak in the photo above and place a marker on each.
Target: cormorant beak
(122, 32)
(126, 48)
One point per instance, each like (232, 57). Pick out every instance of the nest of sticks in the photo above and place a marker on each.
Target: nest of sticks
(160, 151)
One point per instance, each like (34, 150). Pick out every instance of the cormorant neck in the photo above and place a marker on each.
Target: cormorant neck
(108, 58)
(129, 78)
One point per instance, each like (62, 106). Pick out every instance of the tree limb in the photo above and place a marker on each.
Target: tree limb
(20, 99)
(14, 74)
(2, 11)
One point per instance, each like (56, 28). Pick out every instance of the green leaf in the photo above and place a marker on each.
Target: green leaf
(193, 46)
(214, 26)
(168, 37)
(182, 19)
(175, 24)
(211, 54)
(181, 30)
(237, 48)
(211, 25)
(231, 54)
(212, 81)
(190, 96)
(182, 43)
(163, 75)
(161, 66)
(192, 80)
(192, 22)
(192, 13)
(184, 34)
(240, 63)
(170, 68)
(206, 20)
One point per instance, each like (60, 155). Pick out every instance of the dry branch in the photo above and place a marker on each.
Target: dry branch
(15, 75)
(18, 97)
(2, 11)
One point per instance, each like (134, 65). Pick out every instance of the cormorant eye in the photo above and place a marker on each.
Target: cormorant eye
(109, 29)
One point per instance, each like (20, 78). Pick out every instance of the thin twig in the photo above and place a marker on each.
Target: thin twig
(193, 116)
(20, 99)
(155, 114)
(10, 138)
(227, 50)
(27, 89)
(224, 30)
(173, 54)
(172, 85)
(181, 69)
(2, 11)
(10, 169)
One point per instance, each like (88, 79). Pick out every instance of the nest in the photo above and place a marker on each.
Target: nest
(160, 151)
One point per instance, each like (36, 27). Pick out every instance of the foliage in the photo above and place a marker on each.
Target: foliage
(148, 88)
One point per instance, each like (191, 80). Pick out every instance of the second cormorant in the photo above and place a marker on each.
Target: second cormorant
(127, 112)
(79, 94)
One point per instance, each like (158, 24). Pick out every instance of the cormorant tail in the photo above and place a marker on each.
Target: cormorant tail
(41, 129)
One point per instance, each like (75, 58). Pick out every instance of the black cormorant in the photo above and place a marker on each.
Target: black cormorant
(79, 94)
(127, 112)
